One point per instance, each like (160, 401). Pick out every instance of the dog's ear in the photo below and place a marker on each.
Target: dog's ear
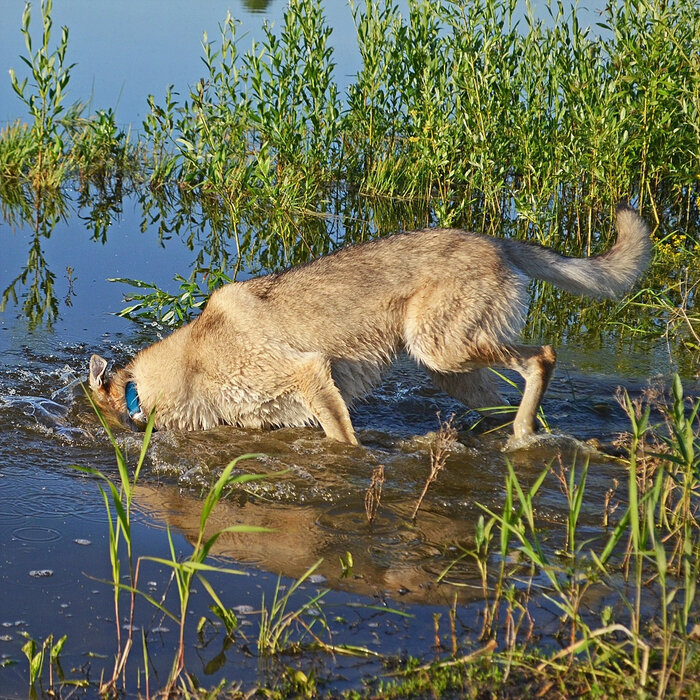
(98, 372)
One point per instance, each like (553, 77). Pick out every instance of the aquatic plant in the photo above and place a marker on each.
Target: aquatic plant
(533, 129)
(119, 508)
(121, 495)
(277, 620)
(37, 654)
(456, 116)
(652, 550)
(50, 76)
(440, 449)
(59, 143)
(460, 106)
(459, 114)
(196, 566)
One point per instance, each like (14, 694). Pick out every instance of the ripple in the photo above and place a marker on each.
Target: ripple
(351, 519)
(75, 504)
(31, 493)
(36, 534)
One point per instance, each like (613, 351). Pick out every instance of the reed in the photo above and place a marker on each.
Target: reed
(118, 498)
(457, 104)
(118, 506)
(652, 551)
(195, 567)
(458, 115)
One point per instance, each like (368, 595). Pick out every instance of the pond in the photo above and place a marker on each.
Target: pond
(387, 596)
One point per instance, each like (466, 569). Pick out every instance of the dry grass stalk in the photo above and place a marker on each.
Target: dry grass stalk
(445, 438)
(373, 495)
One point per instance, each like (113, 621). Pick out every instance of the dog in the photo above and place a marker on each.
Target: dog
(296, 348)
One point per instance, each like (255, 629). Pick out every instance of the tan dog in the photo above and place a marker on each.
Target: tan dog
(295, 348)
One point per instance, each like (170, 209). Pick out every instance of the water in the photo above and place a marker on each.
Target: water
(53, 525)
(52, 519)
(145, 47)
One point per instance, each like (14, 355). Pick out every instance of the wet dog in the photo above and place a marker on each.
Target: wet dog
(297, 347)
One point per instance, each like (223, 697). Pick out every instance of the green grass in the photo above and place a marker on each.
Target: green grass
(457, 115)
(652, 554)
(118, 498)
(457, 106)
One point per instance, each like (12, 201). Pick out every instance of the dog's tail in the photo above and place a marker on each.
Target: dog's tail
(609, 274)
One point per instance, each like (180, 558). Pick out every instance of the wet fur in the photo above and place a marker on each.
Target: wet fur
(296, 348)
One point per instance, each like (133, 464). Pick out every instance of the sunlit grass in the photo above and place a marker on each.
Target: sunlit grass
(456, 117)
(533, 129)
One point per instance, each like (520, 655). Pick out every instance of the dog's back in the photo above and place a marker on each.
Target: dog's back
(377, 298)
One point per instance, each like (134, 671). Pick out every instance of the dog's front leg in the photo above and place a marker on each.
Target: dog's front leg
(316, 386)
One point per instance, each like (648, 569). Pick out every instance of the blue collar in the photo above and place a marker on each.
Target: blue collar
(133, 405)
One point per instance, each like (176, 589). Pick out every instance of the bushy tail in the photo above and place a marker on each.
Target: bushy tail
(609, 274)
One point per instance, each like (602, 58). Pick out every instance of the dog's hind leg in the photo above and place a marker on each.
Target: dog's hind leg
(535, 365)
(316, 387)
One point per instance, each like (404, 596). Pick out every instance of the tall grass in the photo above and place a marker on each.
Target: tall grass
(58, 143)
(459, 114)
(481, 115)
(119, 500)
(535, 129)
(461, 106)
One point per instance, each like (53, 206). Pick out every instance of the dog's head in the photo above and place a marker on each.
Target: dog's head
(108, 391)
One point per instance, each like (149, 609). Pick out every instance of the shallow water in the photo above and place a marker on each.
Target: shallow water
(54, 529)
(53, 525)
